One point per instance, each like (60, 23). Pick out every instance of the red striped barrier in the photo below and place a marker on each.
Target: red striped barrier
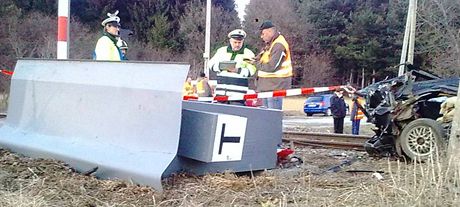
(6, 72)
(270, 94)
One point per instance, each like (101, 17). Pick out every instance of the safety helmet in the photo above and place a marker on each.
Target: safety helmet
(238, 34)
(111, 18)
(124, 45)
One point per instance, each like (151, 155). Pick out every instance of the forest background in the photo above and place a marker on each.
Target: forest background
(332, 41)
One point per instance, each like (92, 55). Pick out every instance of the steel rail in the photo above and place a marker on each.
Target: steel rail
(338, 141)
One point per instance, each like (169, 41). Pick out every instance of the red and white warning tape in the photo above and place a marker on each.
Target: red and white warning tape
(278, 93)
(6, 72)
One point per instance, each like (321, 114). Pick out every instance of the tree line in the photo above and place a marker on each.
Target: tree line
(332, 41)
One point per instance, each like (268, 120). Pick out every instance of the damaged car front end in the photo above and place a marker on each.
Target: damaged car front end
(404, 111)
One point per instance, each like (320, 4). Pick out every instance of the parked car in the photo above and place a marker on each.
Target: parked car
(318, 104)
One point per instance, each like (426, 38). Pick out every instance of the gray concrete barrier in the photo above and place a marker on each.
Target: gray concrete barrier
(220, 137)
(121, 117)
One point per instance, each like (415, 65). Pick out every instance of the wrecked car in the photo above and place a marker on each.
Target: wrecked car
(404, 111)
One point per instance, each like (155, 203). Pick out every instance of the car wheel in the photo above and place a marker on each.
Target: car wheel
(422, 138)
(328, 112)
(309, 114)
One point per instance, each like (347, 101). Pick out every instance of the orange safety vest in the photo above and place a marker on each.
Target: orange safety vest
(359, 114)
(286, 66)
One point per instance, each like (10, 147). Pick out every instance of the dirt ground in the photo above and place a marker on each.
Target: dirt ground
(323, 179)
(37, 182)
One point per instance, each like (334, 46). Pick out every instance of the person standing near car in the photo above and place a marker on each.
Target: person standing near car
(338, 110)
(356, 114)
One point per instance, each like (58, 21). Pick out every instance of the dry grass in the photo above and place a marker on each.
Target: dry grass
(36, 182)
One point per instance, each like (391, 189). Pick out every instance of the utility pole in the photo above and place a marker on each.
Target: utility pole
(63, 29)
(407, 52)
(207, 43)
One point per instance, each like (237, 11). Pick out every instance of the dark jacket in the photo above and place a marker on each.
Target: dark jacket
(338, 107)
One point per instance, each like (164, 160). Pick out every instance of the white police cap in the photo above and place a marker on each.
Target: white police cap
(112, 18)
(238, 34)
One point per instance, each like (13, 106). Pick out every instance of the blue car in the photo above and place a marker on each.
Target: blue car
(318, 104)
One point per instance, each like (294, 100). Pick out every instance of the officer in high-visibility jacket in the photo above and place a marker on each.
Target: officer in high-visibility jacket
(107, 47)
(356, 114)
(231, 63)
(274, 68)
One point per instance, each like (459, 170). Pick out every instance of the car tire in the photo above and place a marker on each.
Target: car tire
(309, 114)
(328, 112)
(421, 139)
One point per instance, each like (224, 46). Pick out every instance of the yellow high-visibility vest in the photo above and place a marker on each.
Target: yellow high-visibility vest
(285, 69)
(200, 87)
(107, 50)
(188, 89)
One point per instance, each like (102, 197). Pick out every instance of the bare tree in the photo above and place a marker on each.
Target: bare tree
(192, 26)
(318, 70)
(285, 17)
(440, 24)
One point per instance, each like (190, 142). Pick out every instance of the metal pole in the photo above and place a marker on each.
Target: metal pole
(406, 40)
(63, 29)
(413, 23)
(207, 43)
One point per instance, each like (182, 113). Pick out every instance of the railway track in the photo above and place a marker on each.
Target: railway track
(337, 141)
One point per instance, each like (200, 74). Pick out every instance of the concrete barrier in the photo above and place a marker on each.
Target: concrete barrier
(121, 117)
(220, 137)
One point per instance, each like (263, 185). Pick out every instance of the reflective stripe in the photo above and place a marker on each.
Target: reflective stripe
(232, 87)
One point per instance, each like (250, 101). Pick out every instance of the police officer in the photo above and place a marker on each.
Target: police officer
(232, 66)
(107, 47)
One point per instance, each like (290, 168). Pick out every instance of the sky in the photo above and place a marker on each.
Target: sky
(241, 4)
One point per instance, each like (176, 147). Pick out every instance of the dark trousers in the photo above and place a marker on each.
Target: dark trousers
(338, 125)
(355, 126)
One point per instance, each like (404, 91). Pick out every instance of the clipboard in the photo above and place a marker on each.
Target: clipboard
(226, 65)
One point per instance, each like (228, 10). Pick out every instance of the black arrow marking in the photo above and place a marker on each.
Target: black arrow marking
(226, 139)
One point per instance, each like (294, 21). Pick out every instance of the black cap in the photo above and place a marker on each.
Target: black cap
(267, 24)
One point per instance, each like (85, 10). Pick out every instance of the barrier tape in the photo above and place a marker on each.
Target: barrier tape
(6, 72)
(270, 94)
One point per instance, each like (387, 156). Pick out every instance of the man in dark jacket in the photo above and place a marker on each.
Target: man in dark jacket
(339, 110)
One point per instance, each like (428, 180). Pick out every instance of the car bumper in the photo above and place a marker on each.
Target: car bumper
(313, 111)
